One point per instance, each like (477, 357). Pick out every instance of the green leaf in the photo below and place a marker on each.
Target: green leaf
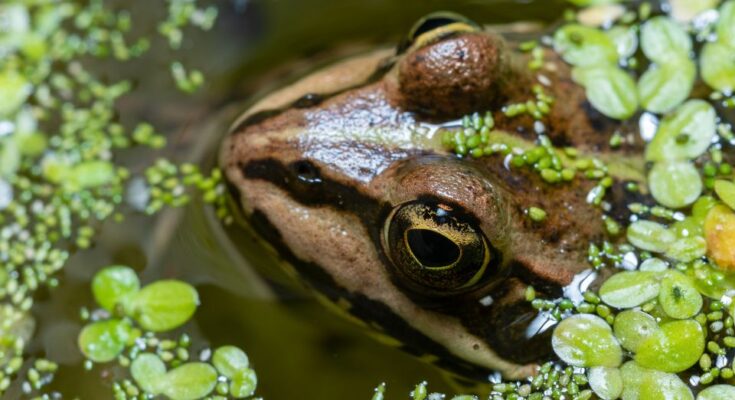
(663, 87)
(15, 89)
(164, 305)
(112, 284)
(244, 383)
(726, 192)
(650, 236)
(625, 40)
(229, 360)
(586, 340)
(103, 341)
(188, 382)
(90, 174)
(675, 184)
(685, 134)
(678, 296)
(609, 89)
(607, 383)
(584, 46)
(629, 288)
(674, 348)
(148, 371)
(717, 392)
(687, 249)
(658, 385)
(632, 327)
(717, 62)
(726, 24)
(664, 40)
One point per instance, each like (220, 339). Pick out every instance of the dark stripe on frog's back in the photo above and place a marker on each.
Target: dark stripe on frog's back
(372, 312)
(310, 100)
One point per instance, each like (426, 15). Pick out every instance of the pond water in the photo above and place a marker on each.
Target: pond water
(299, 349)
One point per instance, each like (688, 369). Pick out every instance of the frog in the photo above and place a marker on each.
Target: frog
(344, 175)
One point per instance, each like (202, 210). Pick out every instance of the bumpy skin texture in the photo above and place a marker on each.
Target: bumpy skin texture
(319, 165)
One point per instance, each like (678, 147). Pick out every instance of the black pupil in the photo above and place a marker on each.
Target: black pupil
(432, 249)
(431, 24)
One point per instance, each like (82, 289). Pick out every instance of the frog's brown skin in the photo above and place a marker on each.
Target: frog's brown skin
(315, 183)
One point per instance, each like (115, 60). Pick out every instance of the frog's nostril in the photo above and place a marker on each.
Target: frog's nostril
(432, 249)
(306, 172)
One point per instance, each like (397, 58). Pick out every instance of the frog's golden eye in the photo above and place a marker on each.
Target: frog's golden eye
(436, 26)
(436, 249)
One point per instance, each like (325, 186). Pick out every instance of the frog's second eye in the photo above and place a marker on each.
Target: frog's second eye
(437, 250)
(436, 26)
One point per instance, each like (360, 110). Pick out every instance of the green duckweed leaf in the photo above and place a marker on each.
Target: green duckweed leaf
(654, 264)
(629, 288)
(687, 249)
(632, 375)
(229, 360)
(717, 392)
(650, 236)
(244, 383)
(607, 383)
(663, 40)
(148, 370)
(726, 192)
(717, 62)
(111, 284)
(679, 297)
(103, 341)
(702, 206)
(663, 87)
(625, 40)
(586, 340)
(584, 46)
(15, 89)
(658, 385)
(726, 24)
(90, 174)
(675, 184)
(163, 305)
(673, 348)
(190, 381)
(684, 134)
(609, 89)
(632, 327)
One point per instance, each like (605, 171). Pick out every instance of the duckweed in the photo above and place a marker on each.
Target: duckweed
(585, 340)
(158, 366)
(675, 347)
(607, 383)
(609, 89)
(684, 134)
(629, 289)
(664, 40)
(632, 327)
(716, 61)
(650, 236)
(675, 184)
